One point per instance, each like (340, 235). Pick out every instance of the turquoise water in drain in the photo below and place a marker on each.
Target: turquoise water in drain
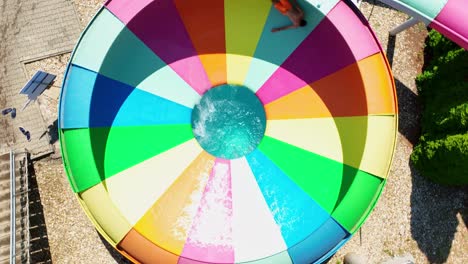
(229, 121)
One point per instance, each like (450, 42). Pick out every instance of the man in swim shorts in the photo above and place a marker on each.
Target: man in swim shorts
(292, 11)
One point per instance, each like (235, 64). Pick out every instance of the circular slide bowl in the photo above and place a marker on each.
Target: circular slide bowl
(193, 134)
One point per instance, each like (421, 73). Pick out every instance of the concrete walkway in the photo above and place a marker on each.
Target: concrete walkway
(30, 30)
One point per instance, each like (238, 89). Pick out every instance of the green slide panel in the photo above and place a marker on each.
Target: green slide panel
(343, 191)
(358, 201)
(88, 163)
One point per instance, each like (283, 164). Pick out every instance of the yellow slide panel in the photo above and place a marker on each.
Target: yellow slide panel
(321, 136)
(237, 68)
(104, 214)
(135, 190)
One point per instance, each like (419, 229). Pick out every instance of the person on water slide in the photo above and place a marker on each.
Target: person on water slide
(292, 11)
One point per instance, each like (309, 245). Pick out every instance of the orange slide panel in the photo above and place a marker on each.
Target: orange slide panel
(216, 68)
(360, 89)
(363, 88)
(159, 223)
(204, 21)
(302, 103)
(142, 250)
(378, 84)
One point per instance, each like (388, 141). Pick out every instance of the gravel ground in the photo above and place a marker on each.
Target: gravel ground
(413, 215)
(72, 238)
(86, 9)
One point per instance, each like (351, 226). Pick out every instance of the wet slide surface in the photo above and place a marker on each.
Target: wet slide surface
(192, 134)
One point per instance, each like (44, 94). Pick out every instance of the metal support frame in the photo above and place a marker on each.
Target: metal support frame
(12, 208)
(407, 24)
(415, 15)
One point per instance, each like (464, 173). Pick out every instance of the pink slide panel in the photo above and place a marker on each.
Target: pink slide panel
(210, 239)
(452, 21)
(127, 9)
(189, 69)
(281, 83)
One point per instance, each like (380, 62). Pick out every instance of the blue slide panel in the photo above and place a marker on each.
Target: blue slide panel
(114, 104)
(295, 212)
(76, 95)
(318, 243)
(143, 108)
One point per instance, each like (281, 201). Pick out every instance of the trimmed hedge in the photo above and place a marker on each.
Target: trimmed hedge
(442, 151)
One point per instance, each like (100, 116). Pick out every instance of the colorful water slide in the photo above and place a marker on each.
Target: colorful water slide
(192, 134)
(449, 17)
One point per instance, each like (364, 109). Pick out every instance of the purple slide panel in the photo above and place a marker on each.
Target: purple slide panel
(338, 41)
(159, 26)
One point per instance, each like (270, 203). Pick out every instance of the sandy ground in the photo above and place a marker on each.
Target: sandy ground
(413, 215)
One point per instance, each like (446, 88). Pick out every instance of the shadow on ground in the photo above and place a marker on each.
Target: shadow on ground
(434, 207)
(434, 210)
(114, 253)
(52, 132)
(408, 113)
(39, 241)
(376, 3)
(409, 108)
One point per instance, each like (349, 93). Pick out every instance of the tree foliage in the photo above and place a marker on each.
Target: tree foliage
(442, 151)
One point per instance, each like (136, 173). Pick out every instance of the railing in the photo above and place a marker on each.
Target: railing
(23, 193)
(19, 242)
(12, 208)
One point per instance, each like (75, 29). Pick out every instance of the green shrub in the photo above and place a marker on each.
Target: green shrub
(445, 160)
(438, 45)
(442, 152)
